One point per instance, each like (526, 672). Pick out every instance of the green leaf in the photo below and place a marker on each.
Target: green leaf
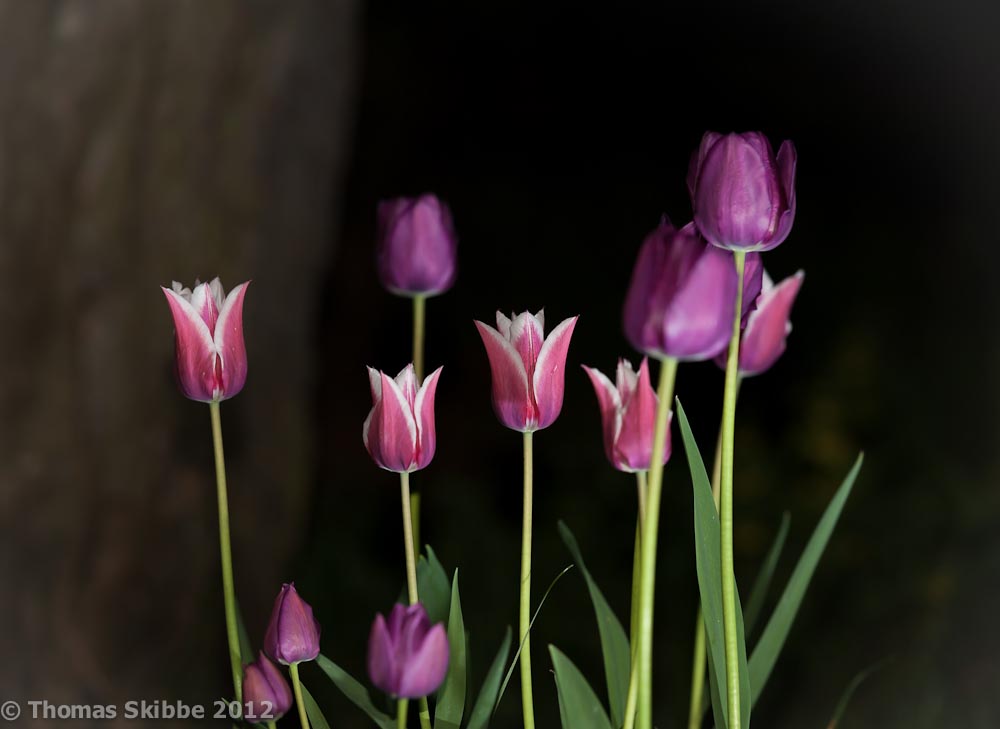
(354, 691)
(851, 688)
(483, 708)
(758, 593)
(708, 558)
(316, 718)
(614, 642)
(246, 647)
(579, 706)
(766, 651)
(434, 587)
(451, 699)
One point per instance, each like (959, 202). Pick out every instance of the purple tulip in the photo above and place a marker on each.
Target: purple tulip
(743, 197)
(407, 657)
(528, 369)
(266, 694)
(399, 430)
(681, 298)
(211, 358)
(293, 633)
(416, 246)
(628, 416)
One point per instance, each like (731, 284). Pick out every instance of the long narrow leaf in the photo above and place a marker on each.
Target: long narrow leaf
(434, 587)
(246, 647)
(758, 592)
(845, 699)
(483, 708)
(451, 700)
(316, 718)
(614, 643)
(766, 651)
(579, 706)
(354, 691)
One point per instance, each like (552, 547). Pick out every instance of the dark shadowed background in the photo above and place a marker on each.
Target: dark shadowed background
(147, 141)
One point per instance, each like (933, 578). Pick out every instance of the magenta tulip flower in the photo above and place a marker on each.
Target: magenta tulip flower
(266, 694)
(416, 246)
(743, 196)
(628, 416)
(528, 369)
(399, 431)
(211, 358)
(293, 634)
(763, 340)
(682, 295)
(407, 657)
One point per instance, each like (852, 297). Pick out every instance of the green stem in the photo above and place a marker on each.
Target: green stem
(527, 701)
(650, 528)
(633, 682)
(401, 706)
(293, 671)
(419, 319)
(726, 505)
(411, 574)
(226, 553)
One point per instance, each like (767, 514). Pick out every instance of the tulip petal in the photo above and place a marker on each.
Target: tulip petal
(203, 301)
(511, 391)
(767, 329)
(548, 380)
(698, 323)
(381, 658)
(634, 445)
(393, 443)
(698, 158)
(425, 670)
(609, 401)
(229, 342)
(195, 360)
(503, 325)
(423, 414)
(407, 381)
(375, 383)
(753, 282)
(787, 159)
(527, 335)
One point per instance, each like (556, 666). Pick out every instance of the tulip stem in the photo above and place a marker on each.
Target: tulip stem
(527, 701)
(226, 554)
(419, 319)
(726, 505)
(650, 528)
(293, 671)
(633, 684)
(411, 562)
(401, 707)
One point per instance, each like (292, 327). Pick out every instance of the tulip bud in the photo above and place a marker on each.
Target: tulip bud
(528, 369)
(266, 694)
(681, 298)
(416, 246)
(293, 633)
(743, 197)
(211, 358)
(628, 416)
(407, 657)
(399, 430)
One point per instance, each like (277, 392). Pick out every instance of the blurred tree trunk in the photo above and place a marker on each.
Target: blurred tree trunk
(142, 142)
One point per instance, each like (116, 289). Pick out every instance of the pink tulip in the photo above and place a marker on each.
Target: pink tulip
(763, 340)
(399, 430)
(407, 656)
(628, 416)
(528, 370)
(211, 358)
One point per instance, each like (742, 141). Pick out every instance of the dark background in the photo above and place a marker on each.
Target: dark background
(141, 142)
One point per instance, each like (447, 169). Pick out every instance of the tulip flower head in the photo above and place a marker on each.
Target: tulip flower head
(211, 357)
(743, 196)
(683, 291)
(416, 246)
(763, 340)
(628, 416)
(293, 634)
(399, 431)
(266, 694)
(528, 369)
(407, 657)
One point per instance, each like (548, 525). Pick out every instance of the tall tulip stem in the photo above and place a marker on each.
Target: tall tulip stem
(226, 554)
(726, 505)
(401, 707)
(527, 701)
(411, 581)
(419, 324)
(633, 684)
(293, 671)
(650, 528)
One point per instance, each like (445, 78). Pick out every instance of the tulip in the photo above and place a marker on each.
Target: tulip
(763, 340)
(399, 430)
(407, 657)
(416, 246)
(681, 298)
(293, 633)
(628, 415)
(266, 694)
(211, 358)
(743, 197)
(528, 369)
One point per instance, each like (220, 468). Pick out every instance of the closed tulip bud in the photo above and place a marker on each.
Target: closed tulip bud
(763, 340)
(416, 246)
(293, 633)
(211, 358)
(528, 369)
(681, 298)
(628, 416)
(266, 694)
(407, 657)
(399, 430)
(743, 196)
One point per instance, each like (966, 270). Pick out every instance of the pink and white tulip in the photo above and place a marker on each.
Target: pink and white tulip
(528, 369)
(211, 357)
(399, 431)
(768, 327)
(628, 416)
